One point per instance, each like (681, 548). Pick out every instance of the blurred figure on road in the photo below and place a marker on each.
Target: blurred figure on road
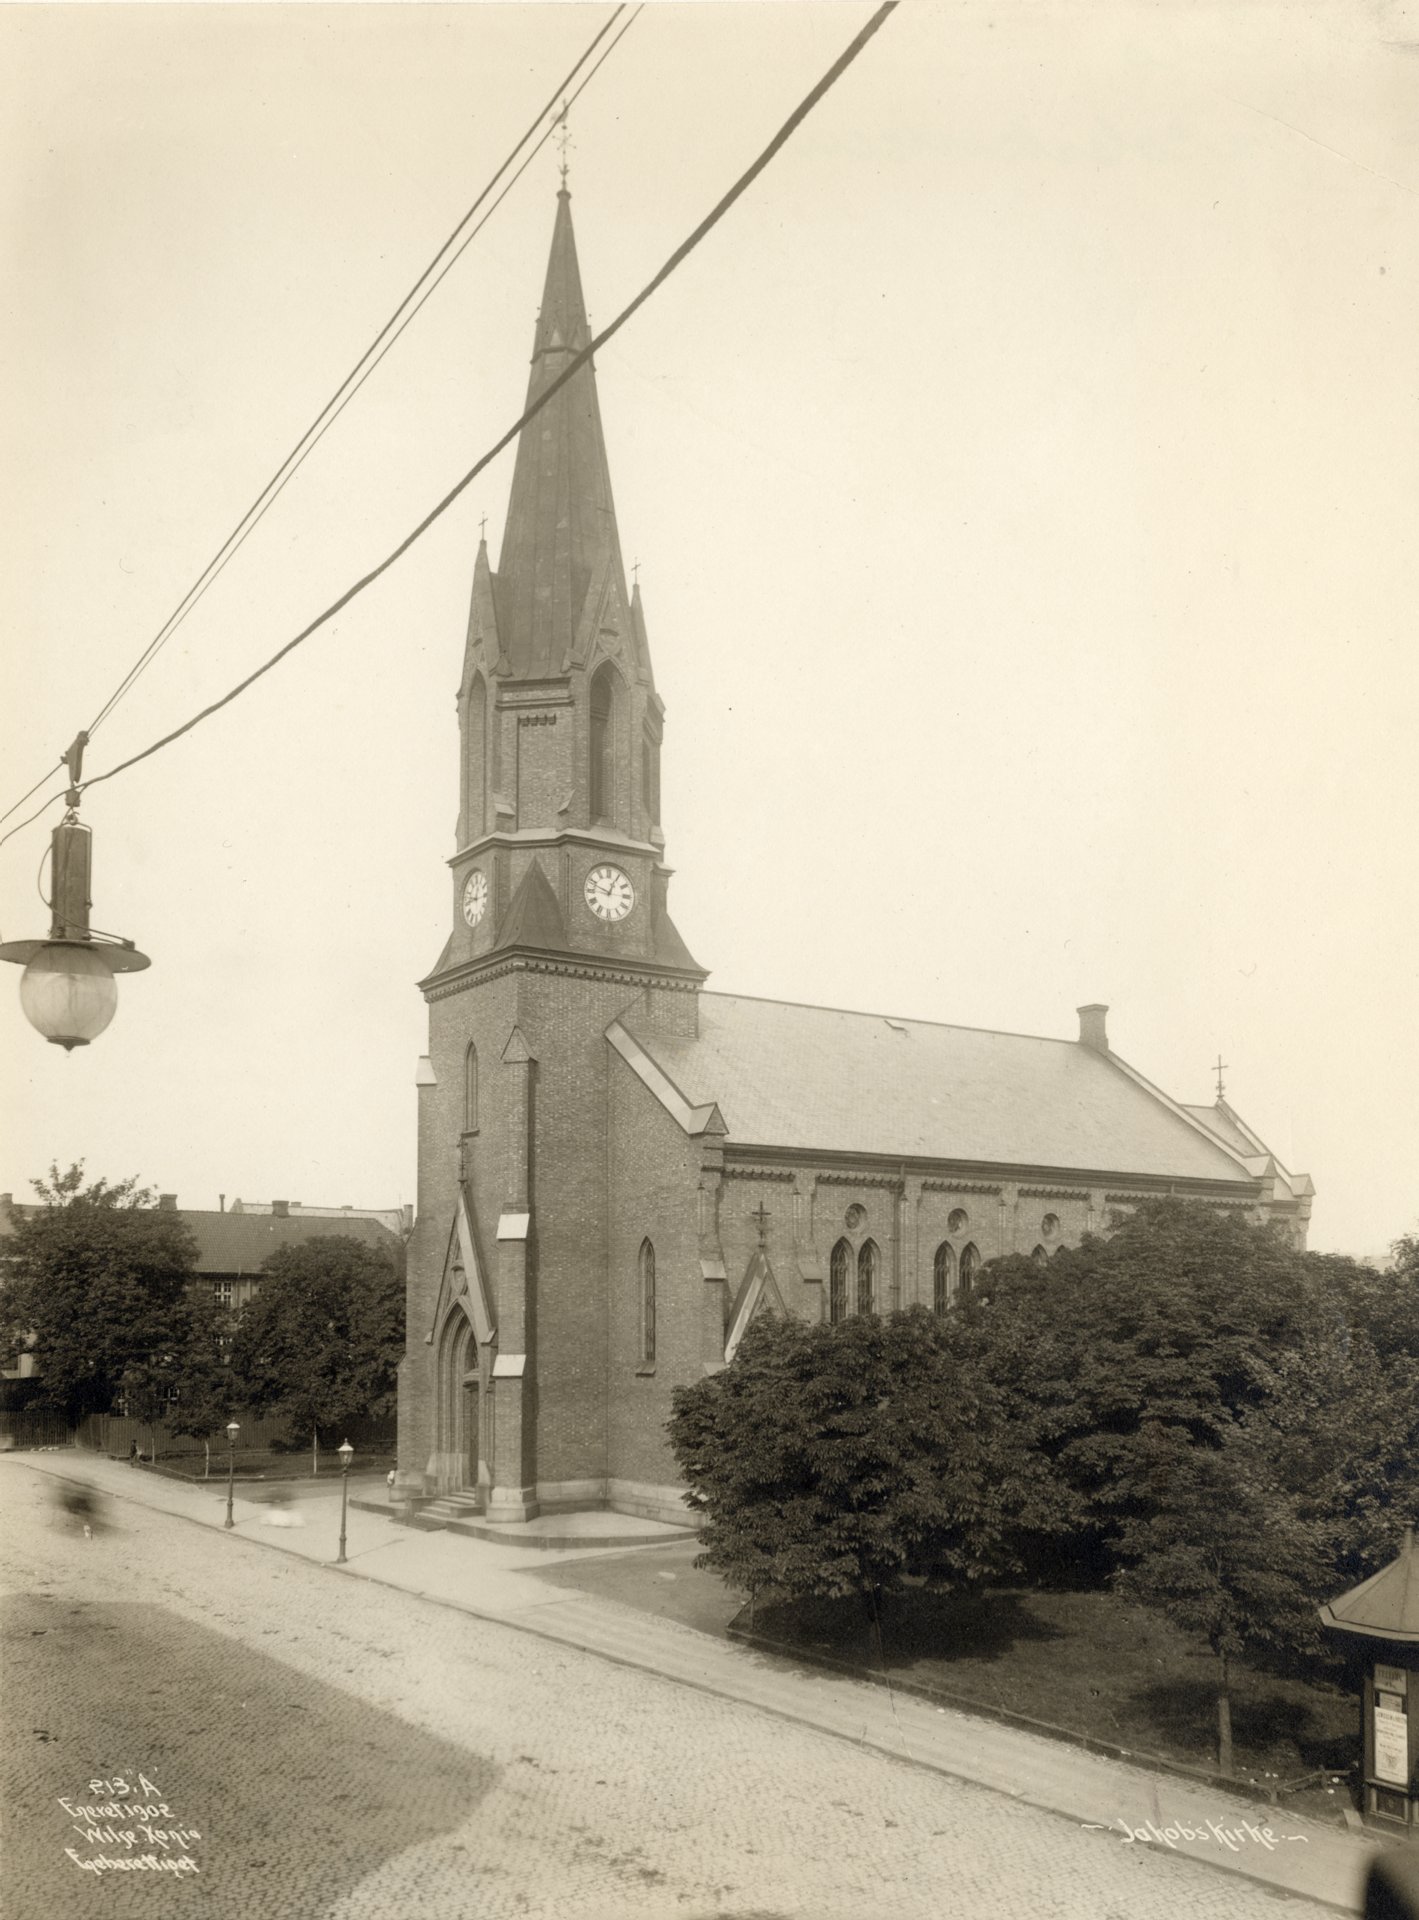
(279, 1510)
(80, 1506)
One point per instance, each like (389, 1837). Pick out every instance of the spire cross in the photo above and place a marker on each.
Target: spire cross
(483, 527)
(635, 573)
(1220, 1069)
(564, 136)
(762, 1217)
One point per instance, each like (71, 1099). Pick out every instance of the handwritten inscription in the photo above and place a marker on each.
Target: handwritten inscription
(1213, 1834)
(135, 1824)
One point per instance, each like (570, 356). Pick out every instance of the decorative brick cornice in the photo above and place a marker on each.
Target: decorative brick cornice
(785, 1174)
(893, 1182)
(496, 965)
(959, 1186)
(1055, 1193)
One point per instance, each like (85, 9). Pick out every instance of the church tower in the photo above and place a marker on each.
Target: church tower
(559, 925)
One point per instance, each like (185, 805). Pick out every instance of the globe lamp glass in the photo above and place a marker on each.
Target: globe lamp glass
(68, 993)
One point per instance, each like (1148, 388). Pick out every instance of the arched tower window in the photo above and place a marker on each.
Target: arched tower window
(942, 1277)
(868, 1262)
(647, 1304)
(970, 1265)
(470, 1089)
(837, 1281)
(475, 739)
(1040, 1257)
(603, 743)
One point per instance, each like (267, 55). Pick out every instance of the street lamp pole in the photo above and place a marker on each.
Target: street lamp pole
(233, 1429)
(347, 1454)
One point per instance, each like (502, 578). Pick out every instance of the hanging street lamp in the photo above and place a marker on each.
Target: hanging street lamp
(67, 989)
(347, 1454)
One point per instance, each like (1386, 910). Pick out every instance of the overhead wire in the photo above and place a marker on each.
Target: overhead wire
(569, 372)
(381, 344)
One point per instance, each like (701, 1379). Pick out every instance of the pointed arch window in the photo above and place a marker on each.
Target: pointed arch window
(470, 1089)
(869, 1262)
(943, 1277)
(650, 778)
(1040, 1257)
(647, 1304)
(970, 1266)
(838, 1266)
(474, 742)
(603, 734)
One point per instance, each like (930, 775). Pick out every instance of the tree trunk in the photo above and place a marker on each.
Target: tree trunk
(1224, 1721)
(206, 1459)
(153, 1443)
(315, 1450)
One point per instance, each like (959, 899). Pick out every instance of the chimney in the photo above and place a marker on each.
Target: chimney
(281, 1209)
(168, 1202)
(221, 1203)
(407, 1214)
(1093, 1028)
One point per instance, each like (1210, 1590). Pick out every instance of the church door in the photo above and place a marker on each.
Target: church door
(472, 1432)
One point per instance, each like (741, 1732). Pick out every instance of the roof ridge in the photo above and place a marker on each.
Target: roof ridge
(870, 1013)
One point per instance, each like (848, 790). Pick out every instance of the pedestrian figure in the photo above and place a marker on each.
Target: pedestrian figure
(389, 1482)
(132, 1453)
(78, 1502)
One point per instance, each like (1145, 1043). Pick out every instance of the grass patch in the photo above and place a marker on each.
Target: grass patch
(1089, 1664)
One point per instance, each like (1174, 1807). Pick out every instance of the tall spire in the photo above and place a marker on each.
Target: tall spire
(560, 545)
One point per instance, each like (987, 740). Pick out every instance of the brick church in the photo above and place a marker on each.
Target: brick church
(617, 1168)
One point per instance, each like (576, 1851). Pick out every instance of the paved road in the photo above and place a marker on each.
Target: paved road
(329, 1747)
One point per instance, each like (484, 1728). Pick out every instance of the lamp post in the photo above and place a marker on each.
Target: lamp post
(347, 1454)
(232, 1431)
(67, 989)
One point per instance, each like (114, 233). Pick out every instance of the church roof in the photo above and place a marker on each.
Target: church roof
(818, 1079)
(560, 546)
(1220, 1119)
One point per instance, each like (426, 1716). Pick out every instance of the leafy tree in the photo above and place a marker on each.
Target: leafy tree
(319, 1344)
(1222, 1550)
(1177, 1323)
(205, 1388)
(97, 1289)
(845, 1459)
(1346, 1413)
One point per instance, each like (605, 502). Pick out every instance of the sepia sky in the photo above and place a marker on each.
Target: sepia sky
(1024, 477)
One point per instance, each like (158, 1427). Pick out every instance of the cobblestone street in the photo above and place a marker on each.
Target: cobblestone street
(331, 1747)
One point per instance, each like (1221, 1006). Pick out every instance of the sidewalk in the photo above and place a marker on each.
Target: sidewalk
(496, 1582)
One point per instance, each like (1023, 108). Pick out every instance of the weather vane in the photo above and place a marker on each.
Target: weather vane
(564, 136)
(1220, 1069)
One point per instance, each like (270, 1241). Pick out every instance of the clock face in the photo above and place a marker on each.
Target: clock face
(475, 897)
(609, 893)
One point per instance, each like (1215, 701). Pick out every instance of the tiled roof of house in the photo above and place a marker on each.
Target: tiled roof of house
(239, 1242)
(815, 1078)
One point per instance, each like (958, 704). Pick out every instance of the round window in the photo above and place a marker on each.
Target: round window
(958, 1221)
(1049, 1226)
(854, 1217)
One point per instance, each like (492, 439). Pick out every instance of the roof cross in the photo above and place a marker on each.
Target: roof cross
(1219, 1070)
(564, 136)
(762, 1217)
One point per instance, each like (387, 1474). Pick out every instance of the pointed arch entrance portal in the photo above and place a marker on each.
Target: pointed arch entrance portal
(465, 1339)
(462, 1450)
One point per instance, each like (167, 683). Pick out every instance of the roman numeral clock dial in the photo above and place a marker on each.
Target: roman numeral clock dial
(608, 893)
(475, 897)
